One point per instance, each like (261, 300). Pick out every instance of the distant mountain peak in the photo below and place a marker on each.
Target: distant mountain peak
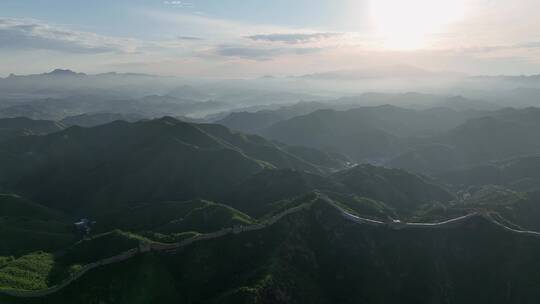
(127, 74)
(168, 120)
(64, 72)
(390, 71)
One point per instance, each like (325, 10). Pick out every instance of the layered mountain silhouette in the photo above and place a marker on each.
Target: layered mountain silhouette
(121, 163)
(520, 173)
(403, 191)
(20, 126)
(364, 133)
(96, 119)
(503, 134)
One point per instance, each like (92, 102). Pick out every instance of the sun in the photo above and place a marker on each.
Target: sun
(408, 24)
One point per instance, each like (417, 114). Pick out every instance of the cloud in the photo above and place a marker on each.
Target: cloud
(497, 48)
(189, 38)
(212, 28)
(293, 38)
(529, 45)
(24, 34)
(176, 3)
(258, 53)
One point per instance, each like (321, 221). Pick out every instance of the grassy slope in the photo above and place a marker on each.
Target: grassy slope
(171, 222)
(177, 217)
(32, 272)
(40, 270)
(26, 226)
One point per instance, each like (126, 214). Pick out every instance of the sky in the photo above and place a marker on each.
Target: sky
(252, 38)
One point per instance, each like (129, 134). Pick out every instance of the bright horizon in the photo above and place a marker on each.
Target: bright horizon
(210, 38)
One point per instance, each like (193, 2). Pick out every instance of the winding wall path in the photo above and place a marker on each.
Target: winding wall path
(173, 248)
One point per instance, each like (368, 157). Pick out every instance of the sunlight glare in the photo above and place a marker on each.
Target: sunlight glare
(407, 24)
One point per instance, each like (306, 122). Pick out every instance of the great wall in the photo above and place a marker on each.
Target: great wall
(174, 247)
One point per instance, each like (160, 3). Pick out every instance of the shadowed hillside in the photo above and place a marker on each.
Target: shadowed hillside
(114, 165)
(26, 226)
(333, 259)
(503, 134)
(399, 189)
(13, 127)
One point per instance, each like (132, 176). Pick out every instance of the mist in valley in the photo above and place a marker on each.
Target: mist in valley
(269, 152)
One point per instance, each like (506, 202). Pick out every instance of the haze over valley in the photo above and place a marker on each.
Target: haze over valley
(269, 152)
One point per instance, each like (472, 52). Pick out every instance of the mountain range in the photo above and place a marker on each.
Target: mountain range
(329, 201)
